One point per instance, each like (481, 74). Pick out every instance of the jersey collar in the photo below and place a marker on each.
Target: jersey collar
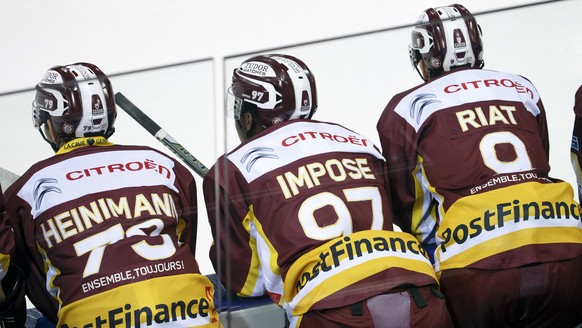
(83, 142)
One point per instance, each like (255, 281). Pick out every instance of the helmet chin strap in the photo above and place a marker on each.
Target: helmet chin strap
(109, 133)
(420, 73)
(423, 71)
(54, 146)
(51, 137)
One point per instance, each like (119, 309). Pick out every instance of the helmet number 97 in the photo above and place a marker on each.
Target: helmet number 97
(257, 95)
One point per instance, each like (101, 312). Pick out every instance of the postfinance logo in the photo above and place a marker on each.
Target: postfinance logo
(192, 313)
(160, 302)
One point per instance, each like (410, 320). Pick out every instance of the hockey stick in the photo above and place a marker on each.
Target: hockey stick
(160, 134)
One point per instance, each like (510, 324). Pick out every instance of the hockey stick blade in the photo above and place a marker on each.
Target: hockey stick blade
(154, 129)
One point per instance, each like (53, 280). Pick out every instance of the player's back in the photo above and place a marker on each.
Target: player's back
(302, 179)
(575, 147)
(107, 224)
(474, 130)
(477, 141)
(318, 208)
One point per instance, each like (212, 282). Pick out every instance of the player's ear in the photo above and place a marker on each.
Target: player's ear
(246, 121)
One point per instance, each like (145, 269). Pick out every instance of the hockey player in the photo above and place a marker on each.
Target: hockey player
(467, 153)
(576, 139)
(107, 231)
(301, 208)
(12, 302)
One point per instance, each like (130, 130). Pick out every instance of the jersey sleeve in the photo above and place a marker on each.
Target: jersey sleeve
(543, 128)
(188, 207)
(6, 239)
(232, 250)
(12, 303)
(576, 155)
(21, 222)
(412, 202)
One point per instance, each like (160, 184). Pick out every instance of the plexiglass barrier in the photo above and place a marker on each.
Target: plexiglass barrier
(356, 76)
(178, 98)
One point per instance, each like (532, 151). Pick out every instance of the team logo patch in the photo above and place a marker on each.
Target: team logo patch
(42, 187)
(96, 105)
(435, 62)
(277, 120)
(418, 104)
(459, 39)
(68, 128)
(253, 155)
(305, 106)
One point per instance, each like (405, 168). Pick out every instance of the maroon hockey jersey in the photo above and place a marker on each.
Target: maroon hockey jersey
(576, 139)
(468, 164)
(304, 214)
(6, 243)
(108, 234)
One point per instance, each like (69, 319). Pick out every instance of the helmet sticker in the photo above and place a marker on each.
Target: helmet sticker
(97, 105)
(289, 63)
(45, 100)
(257, 69)
(277, 120)
(68, 128)
(459, 39)
(305, 105)
(87, 74)
(51, 77)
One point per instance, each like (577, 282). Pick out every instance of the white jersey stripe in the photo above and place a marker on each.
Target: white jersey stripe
(298, 140)
(94, 173)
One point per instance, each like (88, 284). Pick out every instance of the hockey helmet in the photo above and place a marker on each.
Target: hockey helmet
(78, 99)
(445, 38)
(280, 86)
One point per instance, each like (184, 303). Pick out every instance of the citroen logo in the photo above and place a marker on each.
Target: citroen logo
(418, 104)
(42, 187)
(255, 154)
